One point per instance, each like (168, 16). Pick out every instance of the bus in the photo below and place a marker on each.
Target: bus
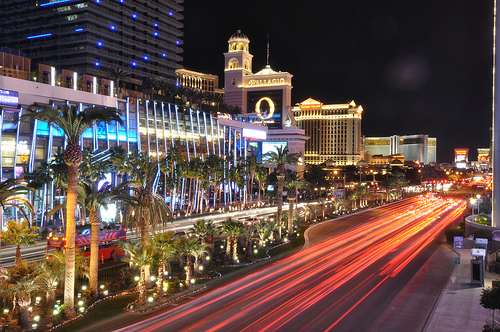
(107, 243)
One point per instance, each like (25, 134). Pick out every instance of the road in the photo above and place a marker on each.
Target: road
(37, 252)
(322, 287)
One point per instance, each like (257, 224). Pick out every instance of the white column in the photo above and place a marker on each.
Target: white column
(496, 129)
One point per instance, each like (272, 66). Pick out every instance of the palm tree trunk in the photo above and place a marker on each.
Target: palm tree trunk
(18, 255)
(188, 270)
(228, 246)
(159, 283)
(142, 286)
(290, 217)
(235, 248)
(281, 178)
(94, 258)
(69, 282)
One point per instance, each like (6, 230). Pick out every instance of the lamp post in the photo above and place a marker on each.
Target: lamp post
(478, 197)
(473, 202)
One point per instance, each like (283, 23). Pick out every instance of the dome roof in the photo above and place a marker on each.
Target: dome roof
(239, 35)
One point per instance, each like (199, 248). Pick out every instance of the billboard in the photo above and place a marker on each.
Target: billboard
(267, 107)
(9, 98)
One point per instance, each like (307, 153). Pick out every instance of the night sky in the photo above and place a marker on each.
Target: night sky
(416, 67)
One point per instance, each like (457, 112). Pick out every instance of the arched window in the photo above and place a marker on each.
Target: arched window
(233, 63)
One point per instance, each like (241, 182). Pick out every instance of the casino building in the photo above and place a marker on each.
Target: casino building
(421, 148)
(150, 126)
(335, 131)
(264, 97)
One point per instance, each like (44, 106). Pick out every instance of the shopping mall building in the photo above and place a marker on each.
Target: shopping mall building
(149, 126)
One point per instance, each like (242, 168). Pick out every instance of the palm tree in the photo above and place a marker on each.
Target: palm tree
(150, 209)
(292, 186)
(118, 74)
(280, 158)
(22, 291)
(150, 83)
(354, 197)
(118, 158)
(187, 247)
(20, 234)
(261, 177)
(165, 247)
(263, 231)
(203, 228)
(143, 256)
(73, 123)
(93, 199)
(49, 278)
(12, 194)
(198, 251)
(233, 229)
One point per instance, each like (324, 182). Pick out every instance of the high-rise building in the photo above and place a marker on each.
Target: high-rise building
(335, 131)
(201, 81)
(421, 148)
(92, 36)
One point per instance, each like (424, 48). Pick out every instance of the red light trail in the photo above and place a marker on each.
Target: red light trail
(316, 288)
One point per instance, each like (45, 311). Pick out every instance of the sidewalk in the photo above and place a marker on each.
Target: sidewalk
(458, 308)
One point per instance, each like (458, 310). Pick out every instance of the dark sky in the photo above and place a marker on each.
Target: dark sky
(416, 67)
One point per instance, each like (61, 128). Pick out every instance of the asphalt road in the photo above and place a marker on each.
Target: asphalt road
(348, 273)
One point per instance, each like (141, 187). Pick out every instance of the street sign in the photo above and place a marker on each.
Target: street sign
(458, 242)
(457, 260)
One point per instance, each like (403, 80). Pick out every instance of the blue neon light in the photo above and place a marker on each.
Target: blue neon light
(78, 30)
(134, 63)
(112, 27)
(164, 55)
(134, 16)
(39, 36)
(177, 42)
(99, 43)
(53, 3)
(156, 34)
(145, 58)
(156, 25)
(97, 64)
(170, 13)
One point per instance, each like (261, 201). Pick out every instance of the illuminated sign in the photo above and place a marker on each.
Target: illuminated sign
(310, 106)
(273, 81)
(267, 107)
(9, 98)
(252, 133)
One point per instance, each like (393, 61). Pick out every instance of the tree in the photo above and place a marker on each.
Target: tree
(151, 84)
(118, 74)
(20, 234)
(142, 256)
(187, 247)
(49, 279)
(118, 159)
(260, 176)
(73, 123)
(490, 299)
(150, 209)
(203, 228)
(19, 285)
(165, 247)
(233, 229)
(12, 193)
(292, 186)
(94, 199)
(281, 158)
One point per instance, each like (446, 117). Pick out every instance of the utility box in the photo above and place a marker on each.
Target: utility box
(477, 271)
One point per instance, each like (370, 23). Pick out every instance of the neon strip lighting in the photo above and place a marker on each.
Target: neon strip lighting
(39, 36)
(78, 30)
(53, 3)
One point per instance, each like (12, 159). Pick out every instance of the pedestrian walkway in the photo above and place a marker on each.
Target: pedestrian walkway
(458, 308)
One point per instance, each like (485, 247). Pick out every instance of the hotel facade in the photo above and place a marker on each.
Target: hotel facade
(335, 131)
(150, 126)
(420, 148)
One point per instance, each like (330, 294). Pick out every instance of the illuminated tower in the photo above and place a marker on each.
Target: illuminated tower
(238, 63)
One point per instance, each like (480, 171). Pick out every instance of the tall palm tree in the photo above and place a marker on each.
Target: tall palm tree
(20, 234)
(151, 84)
(73, 123)
(261, 177)
(143, 256)
(233, 229)
(203, 228)
(93, 199)
(292, 186)
(251, 163)
(14, 194)
(213, 168)
(281, 158)
(118, 158)
(165, 246)
(150, 209)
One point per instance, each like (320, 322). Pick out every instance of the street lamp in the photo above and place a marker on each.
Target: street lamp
(478, 198)
(473, 201)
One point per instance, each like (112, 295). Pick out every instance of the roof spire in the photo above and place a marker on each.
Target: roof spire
(267, 62)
